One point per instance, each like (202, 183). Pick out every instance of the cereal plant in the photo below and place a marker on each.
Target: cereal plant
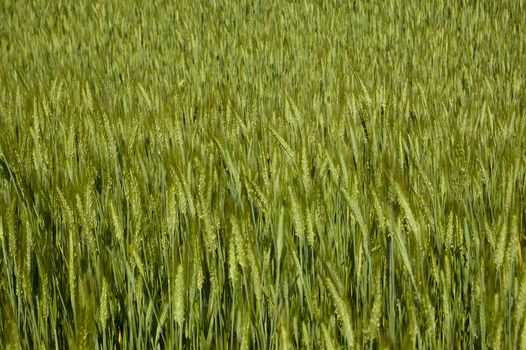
(262, 174)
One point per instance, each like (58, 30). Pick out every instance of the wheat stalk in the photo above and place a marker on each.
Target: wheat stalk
(501, 246)
(283, 144)
(103, 304)
(117, 225)
(179, 297)
(297, 215)
(342, 311)
(522, 341)
(329, 344)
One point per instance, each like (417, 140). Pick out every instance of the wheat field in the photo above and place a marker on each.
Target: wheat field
(262, 174)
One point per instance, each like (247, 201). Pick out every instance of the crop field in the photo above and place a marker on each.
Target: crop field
(262, 174)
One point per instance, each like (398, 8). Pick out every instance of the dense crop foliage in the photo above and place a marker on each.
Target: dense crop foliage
(262, 174)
